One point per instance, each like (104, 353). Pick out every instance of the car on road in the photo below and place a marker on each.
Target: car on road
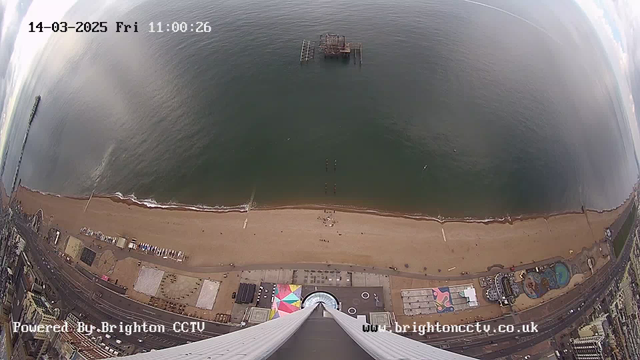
(107, 336)
(118, 341)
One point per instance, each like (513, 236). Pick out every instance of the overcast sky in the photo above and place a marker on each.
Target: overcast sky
(618, 25)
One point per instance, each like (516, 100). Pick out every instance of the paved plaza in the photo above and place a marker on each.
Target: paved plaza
(148, 281)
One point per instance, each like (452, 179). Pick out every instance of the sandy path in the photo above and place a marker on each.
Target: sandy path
(293, 235)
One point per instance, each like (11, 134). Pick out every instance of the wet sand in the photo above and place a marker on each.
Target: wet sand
(298, 235)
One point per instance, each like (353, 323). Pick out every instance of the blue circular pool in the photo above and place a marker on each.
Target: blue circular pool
(562, 274)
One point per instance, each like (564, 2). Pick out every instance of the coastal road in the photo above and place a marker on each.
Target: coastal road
(123, 309)
(580, 300)
(72, 297)
(101, 304)
(544, 316)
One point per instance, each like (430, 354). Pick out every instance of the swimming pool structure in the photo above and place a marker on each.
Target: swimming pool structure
(538, 283)
(563, 275)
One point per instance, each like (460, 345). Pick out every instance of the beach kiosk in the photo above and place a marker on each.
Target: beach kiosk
(121, 242)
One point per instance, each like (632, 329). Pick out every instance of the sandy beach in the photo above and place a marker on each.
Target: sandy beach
(297, 235)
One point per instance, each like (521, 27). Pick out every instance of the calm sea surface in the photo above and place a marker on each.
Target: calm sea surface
(458, 110)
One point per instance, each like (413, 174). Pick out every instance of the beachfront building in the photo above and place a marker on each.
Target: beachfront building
(303, 332)
(37, 311)
(36, 220)
(74, 345)
(597, 327)
(427, 301)
(588, 348)
(503, 289)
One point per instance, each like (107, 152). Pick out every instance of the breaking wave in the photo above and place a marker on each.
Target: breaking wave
(151, 203)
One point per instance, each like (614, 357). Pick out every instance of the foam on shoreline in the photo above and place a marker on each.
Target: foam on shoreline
(132, 200)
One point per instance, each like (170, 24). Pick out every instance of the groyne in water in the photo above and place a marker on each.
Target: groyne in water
(24, 143)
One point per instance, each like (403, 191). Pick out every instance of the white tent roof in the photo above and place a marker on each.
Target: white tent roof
(470, 294)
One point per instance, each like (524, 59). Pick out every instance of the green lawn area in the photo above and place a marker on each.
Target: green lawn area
(621, 238)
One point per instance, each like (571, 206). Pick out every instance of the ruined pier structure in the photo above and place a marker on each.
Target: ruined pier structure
(332, 46)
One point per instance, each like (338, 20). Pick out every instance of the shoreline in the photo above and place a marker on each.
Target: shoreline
(285, 236)
(131, 200)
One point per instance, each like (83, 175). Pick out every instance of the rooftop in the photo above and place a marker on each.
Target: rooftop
(41, 304)
(85, 346)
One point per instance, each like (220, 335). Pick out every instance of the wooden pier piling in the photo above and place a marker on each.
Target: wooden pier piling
(307, 51)
(336, 46)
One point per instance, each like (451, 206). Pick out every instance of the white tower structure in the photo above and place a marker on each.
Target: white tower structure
(294, 335)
